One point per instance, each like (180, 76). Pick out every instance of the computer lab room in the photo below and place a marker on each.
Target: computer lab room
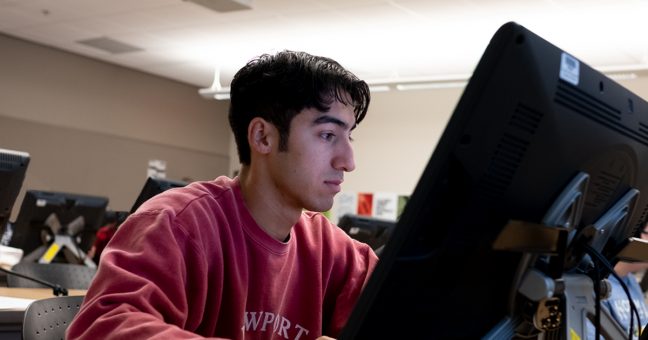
(323, 169)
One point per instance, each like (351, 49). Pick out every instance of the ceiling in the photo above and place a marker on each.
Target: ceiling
(382, 41)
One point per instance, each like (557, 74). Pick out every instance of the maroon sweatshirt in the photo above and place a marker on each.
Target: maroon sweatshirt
(192, 263)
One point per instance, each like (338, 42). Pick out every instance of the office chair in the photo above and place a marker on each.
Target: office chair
(47, 319)
(67, 275)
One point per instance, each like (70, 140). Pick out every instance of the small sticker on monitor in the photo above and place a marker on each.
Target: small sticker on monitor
(41, 202)
(569, 68)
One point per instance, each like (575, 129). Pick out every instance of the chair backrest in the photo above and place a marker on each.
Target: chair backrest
(47, 319)
(70, 276)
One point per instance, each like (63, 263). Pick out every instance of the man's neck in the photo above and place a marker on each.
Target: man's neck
(265, 205)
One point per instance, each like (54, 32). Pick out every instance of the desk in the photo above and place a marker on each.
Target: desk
(11, 318)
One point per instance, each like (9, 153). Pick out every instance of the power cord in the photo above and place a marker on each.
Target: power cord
(600, 259)
(57, 289)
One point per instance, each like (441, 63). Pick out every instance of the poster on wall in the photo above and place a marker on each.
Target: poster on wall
(156, 168)
(345, 203)
(402, 202)
(365, 204)
(385, 205)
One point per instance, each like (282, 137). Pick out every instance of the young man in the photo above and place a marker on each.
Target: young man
(247, 257)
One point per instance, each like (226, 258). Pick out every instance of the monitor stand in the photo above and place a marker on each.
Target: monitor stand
(558, 300)
(61, 242)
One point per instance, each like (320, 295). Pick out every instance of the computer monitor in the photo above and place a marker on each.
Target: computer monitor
(31, 227)
(13, 167)
(152, 187)
(373, 231)
(531, 120)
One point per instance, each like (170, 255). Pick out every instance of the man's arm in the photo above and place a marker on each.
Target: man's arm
(359, 267)
(141, 289)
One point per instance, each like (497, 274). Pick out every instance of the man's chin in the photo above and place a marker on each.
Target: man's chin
(321, 207)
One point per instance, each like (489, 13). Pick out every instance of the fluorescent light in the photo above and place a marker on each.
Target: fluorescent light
(379, 88)
(212, 93)
(431, 86)
(216, 91)
(222, 96)
(623, 76)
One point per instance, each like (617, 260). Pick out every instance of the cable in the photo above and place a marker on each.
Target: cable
(597, 299)
(633, 309)
(58, 290)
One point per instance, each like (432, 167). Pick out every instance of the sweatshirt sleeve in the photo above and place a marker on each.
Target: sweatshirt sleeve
(143, 288)
(359, 264)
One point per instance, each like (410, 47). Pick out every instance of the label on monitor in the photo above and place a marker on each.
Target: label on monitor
(569, 69)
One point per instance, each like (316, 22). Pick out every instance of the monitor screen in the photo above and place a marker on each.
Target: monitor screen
(37, 206)
(372, 231)
(531, 120)
(152, 187)
(13, 167)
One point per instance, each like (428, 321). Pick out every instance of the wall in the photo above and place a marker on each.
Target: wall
(92, 127)
(395, 141)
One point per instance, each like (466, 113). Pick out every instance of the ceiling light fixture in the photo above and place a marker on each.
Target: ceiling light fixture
(216, 90)
(222, 6)
(110, 45)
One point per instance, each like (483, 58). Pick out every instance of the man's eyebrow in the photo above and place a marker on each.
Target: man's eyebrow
(329, 119)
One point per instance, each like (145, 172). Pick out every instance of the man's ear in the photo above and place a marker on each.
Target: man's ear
(261, 135)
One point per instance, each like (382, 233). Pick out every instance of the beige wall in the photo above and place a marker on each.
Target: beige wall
(395, 141)
(91, 127)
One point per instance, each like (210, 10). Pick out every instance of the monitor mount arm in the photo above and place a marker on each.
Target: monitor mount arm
(58, 241)
(564, 298)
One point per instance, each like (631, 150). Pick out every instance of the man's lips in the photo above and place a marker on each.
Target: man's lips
(336, 184)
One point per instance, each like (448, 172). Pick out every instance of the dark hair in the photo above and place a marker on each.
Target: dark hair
(278, 87)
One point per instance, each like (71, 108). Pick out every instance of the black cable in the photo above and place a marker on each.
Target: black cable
(633, 309)
(597, 305)
(597, 300)
(58, 290)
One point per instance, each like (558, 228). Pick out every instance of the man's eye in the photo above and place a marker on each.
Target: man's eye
(327, 136)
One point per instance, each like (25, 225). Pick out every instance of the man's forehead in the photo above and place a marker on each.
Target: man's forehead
(344, 118)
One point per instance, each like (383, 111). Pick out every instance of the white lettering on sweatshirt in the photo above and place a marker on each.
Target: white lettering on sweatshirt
(271, 322)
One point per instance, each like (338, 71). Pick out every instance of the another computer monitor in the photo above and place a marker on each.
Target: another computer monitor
(154, 186)
(31, 229)
(13, 167)
(531, 120)
(370, 230)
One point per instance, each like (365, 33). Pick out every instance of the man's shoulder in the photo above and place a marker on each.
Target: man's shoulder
(318, 225)
(196, 211)
(309, 218)
(315, 230)
(194, 195)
